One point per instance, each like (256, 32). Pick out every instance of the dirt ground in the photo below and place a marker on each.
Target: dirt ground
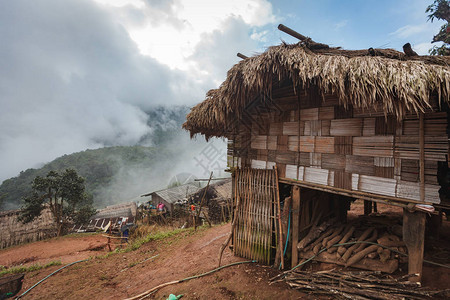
(124, 275)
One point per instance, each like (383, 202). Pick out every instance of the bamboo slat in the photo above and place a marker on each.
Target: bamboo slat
(360, 164)
(272, 142)
(325, 128)
(333, 161)
(290, 128)
(316, 175)
(307, 144)
(276, 128)
(326, 113)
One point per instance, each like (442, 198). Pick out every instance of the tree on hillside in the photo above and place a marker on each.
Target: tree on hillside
(440, 9)
(64, 194)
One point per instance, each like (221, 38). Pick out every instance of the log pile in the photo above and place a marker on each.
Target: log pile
(365, 243)
(357, 285)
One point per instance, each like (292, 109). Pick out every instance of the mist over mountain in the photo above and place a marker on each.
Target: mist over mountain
(117, 174)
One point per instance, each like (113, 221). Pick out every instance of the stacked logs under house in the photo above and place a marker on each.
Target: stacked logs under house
(368, 242)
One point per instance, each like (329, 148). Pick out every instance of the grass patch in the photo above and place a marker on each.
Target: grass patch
(22, 269)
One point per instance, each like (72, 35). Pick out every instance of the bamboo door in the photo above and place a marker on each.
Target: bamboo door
(254, 230)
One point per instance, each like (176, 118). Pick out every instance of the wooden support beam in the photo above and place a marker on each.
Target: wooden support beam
(422, 157)
(308, 41)
(414, 236)
(295, 223)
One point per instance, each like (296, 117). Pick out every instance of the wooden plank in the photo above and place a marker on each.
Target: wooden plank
(309, 114)
(324, 144)
(295, 224)
(346, 127)
(422, 157)
(414, 237)
(373, 146)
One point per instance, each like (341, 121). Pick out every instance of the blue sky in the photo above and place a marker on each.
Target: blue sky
(78, 74)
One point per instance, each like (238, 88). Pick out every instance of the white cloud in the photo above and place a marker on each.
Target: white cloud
(340, 25)
(410, 30)
(171, 32)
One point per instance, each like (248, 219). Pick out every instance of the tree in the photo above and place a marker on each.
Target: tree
(65, 196)
(440, 9)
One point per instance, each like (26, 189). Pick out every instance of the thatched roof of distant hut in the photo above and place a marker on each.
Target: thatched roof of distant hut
(362, 78)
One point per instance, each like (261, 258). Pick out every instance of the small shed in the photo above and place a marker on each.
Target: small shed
(173, 195)
(369, 124)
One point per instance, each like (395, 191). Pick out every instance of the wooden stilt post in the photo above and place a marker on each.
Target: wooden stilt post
(295, 223)
(414, 236)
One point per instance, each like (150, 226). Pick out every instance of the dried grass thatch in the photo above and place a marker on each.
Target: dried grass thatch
(362, 78)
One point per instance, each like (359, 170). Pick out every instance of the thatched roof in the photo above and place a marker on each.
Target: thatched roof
(361, 78)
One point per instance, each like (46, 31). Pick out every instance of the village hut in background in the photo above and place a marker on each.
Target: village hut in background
(13, 232)
(169, 197)
(217, 200)
(113, 216)
(333, 125)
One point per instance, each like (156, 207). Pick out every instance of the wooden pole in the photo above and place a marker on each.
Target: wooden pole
(422, 157)
(240, 55)
(302, 38)
(295, 221)
(414, 236)
(201, 202)
(280, 233)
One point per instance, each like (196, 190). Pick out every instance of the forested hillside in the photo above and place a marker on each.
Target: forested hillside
(119, 173)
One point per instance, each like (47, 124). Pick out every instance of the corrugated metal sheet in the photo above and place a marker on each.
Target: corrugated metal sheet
(177, 193)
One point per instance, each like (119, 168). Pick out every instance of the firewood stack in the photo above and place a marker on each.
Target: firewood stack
(370, 243)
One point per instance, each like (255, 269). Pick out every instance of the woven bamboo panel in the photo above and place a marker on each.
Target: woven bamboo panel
(291, 171)
(369, 127)
(436, 147)
(293, 143)
(316, 160)
(307, 127)
(316, 175)
(411, 190)
(290, 128)
(346, 127)
(286, 157)
(282, 143)
(276, 128)
(377, 185)
(259, 142)
(307, 144)
(324, 144)
(305, 159)
(258, 164)
(326, 113)
(330, 100)
(272, 142)
(342, 179)
(325, 128)
(386, 172)
(373, 146)
(383, 161)
(341, 112)
(385, 126)
(360, 165)
(309, 114)
(255, 216)
(343, 145)
(315, 127)
(333, 161)
(372, 111)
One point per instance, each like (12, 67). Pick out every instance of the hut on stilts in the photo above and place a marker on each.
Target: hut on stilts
(332, 125)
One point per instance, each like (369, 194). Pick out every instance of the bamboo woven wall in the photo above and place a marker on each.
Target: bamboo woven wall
(13, 232)
(318, 141)
(254, 230)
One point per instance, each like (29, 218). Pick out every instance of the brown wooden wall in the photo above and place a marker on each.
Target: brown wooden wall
(318, 141)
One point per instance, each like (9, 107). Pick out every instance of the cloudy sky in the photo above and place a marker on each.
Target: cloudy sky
(78, 74)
